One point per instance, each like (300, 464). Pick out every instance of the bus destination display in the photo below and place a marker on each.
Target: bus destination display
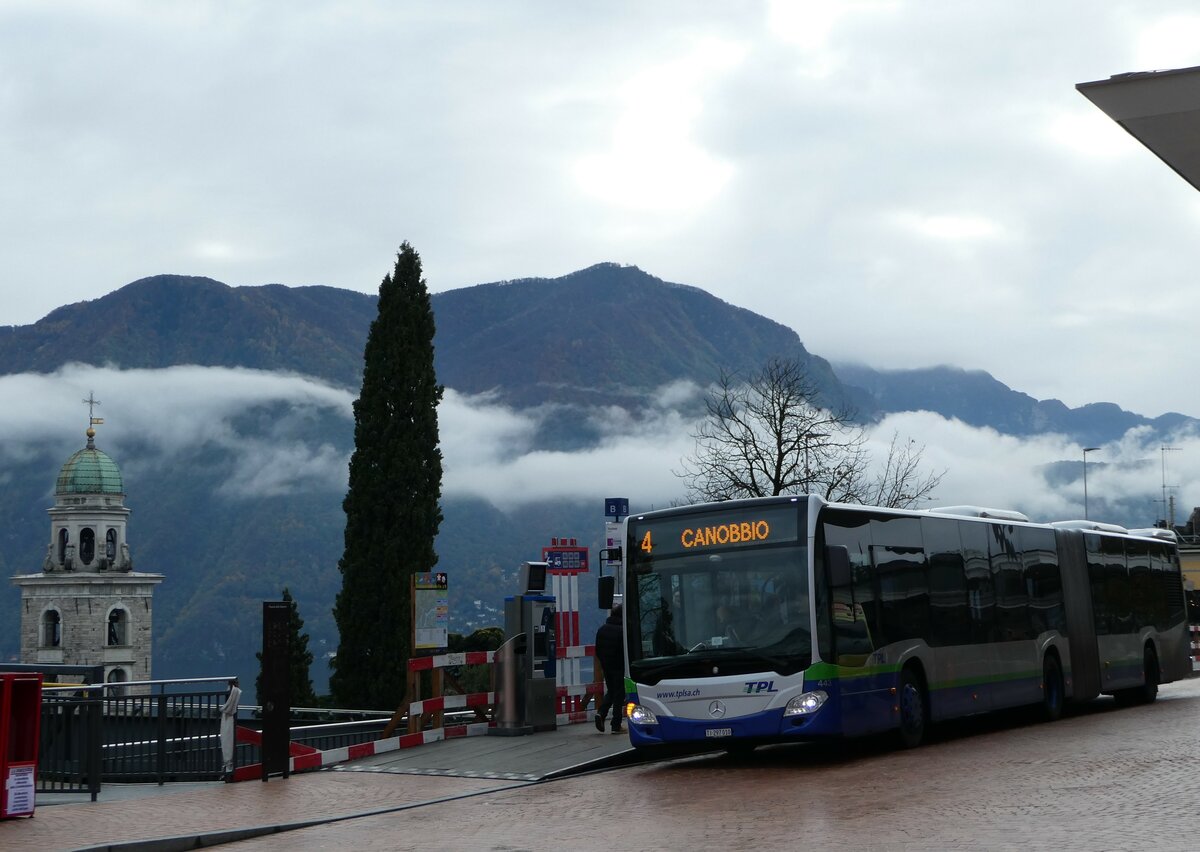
(716, 531)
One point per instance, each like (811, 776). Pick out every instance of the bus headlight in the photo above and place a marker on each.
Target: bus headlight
(639, 715)
(806, 704)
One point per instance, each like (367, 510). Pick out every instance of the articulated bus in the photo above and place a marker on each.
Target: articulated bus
(789, 618)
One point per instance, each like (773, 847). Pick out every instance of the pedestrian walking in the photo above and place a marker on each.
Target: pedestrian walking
(610, 651)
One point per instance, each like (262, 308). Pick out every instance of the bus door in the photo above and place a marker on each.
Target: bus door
(864, 694)
(1018, 656)
(865, 681)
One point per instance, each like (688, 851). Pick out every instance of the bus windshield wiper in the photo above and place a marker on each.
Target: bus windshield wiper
(688, 659)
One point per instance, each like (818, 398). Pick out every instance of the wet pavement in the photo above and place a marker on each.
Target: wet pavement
(1101, 778)
(188, 816)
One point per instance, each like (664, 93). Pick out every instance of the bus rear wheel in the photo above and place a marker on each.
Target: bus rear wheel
(1148, 691)
(1150, 674)
(1052, 689)
(914, 710)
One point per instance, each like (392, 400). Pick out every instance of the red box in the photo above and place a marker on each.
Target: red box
(20, 722)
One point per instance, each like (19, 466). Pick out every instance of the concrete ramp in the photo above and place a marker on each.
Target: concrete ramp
(569, 750)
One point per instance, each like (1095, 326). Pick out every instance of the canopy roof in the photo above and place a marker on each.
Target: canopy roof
(1161, 109)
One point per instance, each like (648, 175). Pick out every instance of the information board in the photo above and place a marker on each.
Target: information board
(19, 791)
(566, 558)
(431, 611)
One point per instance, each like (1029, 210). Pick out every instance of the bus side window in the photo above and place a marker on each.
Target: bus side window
(981, 599)
(1042, 578)
(898, 556)
(1008, 580)
(1116, 587)
(903, 592)
(1169, 603)
(949, 623)
(852, 605)
(1142, 593)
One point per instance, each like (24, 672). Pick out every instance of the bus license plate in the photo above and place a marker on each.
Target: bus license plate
(719, 732)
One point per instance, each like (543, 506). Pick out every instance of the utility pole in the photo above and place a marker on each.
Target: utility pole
(1169, 521)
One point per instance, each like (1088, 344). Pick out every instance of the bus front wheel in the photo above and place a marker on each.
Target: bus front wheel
(1052, 689)
(913, 709)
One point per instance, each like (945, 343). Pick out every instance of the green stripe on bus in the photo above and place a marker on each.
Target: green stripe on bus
(987, 679)
(828, 671)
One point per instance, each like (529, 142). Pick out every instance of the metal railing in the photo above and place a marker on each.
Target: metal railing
(322, 736)
(136, 731)
(162, 736)
(70, 741)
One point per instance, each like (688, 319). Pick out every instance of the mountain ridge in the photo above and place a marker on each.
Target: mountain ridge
(531, 341)
(977, 398)
(609, 336)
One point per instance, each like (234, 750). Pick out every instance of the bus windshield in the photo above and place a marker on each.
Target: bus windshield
(742, 605)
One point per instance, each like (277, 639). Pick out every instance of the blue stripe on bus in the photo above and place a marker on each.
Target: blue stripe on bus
(857, 705)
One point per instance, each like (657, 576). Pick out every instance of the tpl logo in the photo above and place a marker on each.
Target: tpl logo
(754, 687)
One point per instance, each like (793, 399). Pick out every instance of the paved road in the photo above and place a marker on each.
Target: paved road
(1105, 778)
(1100, 779)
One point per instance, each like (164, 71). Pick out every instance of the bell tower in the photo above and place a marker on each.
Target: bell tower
(88, 606)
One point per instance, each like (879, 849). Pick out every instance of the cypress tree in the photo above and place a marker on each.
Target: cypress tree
(392, 505)
(300, 687)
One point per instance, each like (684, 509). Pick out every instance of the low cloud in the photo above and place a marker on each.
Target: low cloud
(151, 417)
(488, 453)
(986, 468)
(491, 452)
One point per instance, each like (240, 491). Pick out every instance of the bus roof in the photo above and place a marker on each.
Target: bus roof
(1094, 526)
(981, 512)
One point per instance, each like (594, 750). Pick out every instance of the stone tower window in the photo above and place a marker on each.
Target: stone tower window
(87, 545)
(51, 629)
(117, 675)
(63, 538)
(110, 545)
(118, 625)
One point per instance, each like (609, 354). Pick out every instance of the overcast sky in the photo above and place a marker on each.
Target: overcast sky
(903, 183)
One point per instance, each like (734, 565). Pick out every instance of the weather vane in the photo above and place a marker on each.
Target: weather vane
(91, 402)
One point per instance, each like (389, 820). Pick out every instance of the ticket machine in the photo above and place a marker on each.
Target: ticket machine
(526, 685)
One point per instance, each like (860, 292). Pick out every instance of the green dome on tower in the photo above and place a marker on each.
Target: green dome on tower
(89, 471)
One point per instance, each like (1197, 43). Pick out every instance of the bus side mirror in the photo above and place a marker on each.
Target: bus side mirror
(837, 561)
(606, 587)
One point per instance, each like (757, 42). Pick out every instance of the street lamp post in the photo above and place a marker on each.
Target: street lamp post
(1086, 450)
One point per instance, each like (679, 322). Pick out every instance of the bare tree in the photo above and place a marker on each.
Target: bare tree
(901, 482)
(769, 435)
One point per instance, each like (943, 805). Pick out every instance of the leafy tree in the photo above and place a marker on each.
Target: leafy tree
(392, 505)
(769, 435)
(300, 687)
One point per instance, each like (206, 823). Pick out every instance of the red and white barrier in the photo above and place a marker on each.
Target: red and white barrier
(304, 758)
(451, 702)
(572, 696)
(575, 652)
(441, 661)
